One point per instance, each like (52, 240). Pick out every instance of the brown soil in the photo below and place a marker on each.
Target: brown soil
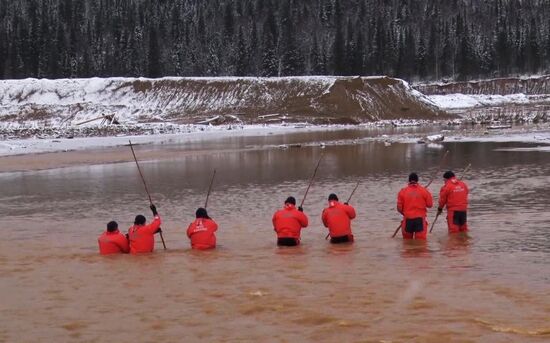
(503, 86)
(348, 100)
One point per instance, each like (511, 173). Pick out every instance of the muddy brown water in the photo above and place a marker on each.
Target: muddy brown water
(492, 286)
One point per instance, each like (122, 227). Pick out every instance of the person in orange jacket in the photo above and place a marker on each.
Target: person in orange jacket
(337, 218)
(413, 202)
(454, 195)
(112, 241)
(201, 231)
(288, 222)
(142, 236)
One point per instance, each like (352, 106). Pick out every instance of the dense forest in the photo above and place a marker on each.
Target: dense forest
(411, 39)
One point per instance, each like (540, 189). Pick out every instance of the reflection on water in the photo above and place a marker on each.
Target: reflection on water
(490, 284)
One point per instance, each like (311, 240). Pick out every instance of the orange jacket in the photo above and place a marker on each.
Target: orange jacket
(337, 217)
(201, 233)
(142, 237)
(288, 222)
(113, 243)
(413, 201)
(454, 194)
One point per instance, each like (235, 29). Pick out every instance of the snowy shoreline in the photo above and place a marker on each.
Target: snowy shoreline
(29, 146)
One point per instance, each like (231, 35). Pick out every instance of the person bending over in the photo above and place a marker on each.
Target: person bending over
(337, 218)
(288, 222)
(201, 232)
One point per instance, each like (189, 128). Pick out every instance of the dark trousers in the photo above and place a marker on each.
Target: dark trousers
(287, 242)
(340, 239)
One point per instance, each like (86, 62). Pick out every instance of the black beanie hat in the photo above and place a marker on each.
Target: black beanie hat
(413, 177)
(140, 220)
(201, 213)
(448, 174)
(332, 196)
(290, 200)
(112, 226)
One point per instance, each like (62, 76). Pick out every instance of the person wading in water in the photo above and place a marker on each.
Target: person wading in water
(201, 231)
(142, 236)
(288, 222)
(454, 195)
(337, 218)
(112, 241)
(413, 202)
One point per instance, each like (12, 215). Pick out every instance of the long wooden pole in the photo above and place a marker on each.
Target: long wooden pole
(463, 174)
(311, 180)
(140, 173)
(353, 192)
(209, 189)
(146, 189)
(428, 184)
(438, 169)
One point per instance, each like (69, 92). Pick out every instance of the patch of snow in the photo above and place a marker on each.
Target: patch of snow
(463, 101)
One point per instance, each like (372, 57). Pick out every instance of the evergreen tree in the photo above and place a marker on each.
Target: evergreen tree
(154, 64)
(426, 39)
(242, 64)
(338, 47)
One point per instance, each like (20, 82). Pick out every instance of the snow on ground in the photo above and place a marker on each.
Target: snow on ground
(194, 133)
(404, 135)
(318, 99)
(462, 101)
(540, 137)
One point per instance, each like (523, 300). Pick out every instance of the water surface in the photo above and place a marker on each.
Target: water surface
(491, 286)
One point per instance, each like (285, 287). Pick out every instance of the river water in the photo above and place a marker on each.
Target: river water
(492, 286)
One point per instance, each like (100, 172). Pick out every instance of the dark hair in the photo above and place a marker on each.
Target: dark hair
(140, 220)
(201, 213)
(290, 200)
(448, 174)
(112, 226)
(332, 196)
(413, 177)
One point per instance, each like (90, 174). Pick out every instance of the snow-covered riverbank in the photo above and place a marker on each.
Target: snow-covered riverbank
(409, 132)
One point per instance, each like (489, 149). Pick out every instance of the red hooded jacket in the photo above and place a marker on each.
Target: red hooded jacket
(113, 243)
(201, 233)
(454, 194)
(288, 222)
(337, 217)
(142, 237)
(413, 201)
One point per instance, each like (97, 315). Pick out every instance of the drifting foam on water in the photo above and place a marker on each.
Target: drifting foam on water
(519, 331)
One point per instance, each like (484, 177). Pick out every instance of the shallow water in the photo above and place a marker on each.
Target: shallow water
(491, 286)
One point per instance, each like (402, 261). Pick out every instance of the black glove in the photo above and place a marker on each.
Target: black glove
(300, 209)
(159, 230)
(439, 210)
(154, 209)
(127, 237)
(346, 203)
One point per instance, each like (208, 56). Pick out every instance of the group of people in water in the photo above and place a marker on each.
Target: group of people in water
(413, 202)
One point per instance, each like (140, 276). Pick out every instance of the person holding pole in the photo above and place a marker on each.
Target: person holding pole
(413, 202)
(142, 235)
(454, 195)
(201, 232)
(337, 218)
(153, 208)
(288, 223)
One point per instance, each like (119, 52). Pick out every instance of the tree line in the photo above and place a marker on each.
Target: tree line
(411, 39)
